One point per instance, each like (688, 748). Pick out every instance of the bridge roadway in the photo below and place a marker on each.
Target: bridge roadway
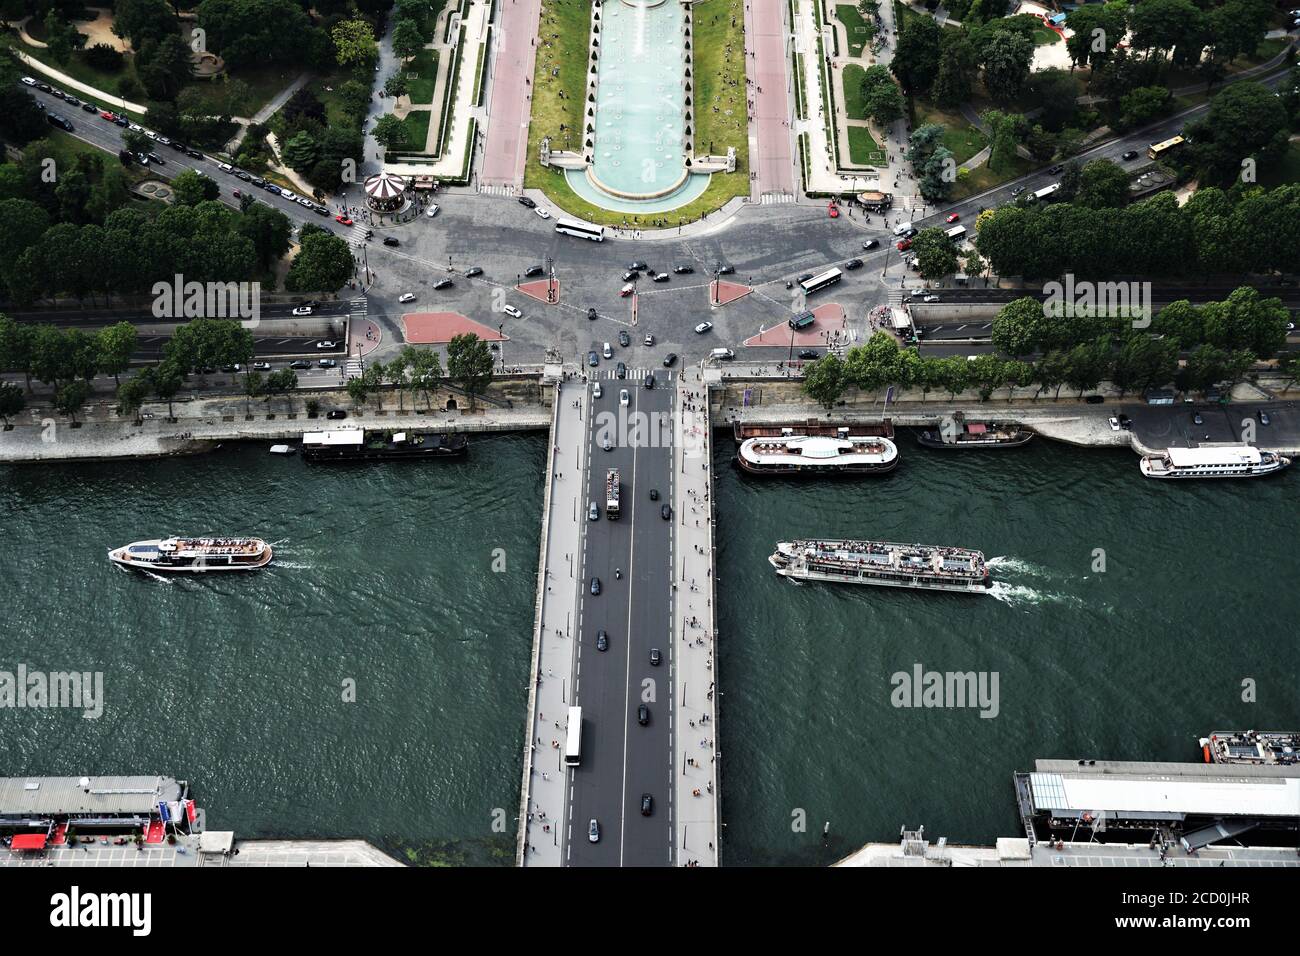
(640, 611)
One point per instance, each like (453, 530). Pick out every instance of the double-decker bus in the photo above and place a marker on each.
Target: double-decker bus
(581, 230)
(821, 281)
(573, 743)
(1156, 150)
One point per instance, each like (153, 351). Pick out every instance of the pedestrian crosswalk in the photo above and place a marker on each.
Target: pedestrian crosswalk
(506, 192)
(357, 310)
(632, 374)
(770, 199)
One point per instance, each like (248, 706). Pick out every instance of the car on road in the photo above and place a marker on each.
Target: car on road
(122, 121)
(597, 391)
(593, 359)
(623, 338)
(649, 380)
(1113, 423)
(649, 339)
(853, 264)
(473, 271)
(1263, 417)
(683, 270)
(105, 114)
(327, 344)
(261, 366)
(511, 311)
(1056, 169)
(443, 284)
(344, 220)
(406, 297)
(593, 513)
(1125, 421)
(191, 153)
(591, 315)
(903, 245)
(630, 275)
(29, 81)
(593, 828)
(1017, 190)
(595, 585)
(542, 213)
(606, 445)
(655, 656)
(392, 241)
(723, 270)
(929, 298)
(654, 494)
(808, 353)
(703, 327)
(336, 414)
(832, 210)
(620, 370)
(156, 159)
(273, 189)
(299, 364)
(1129, 154)
(952, 217)
(328, 363)
(626, 291)
(432, 210)
(602, 639)
(871, 244)
(670, 360)
(90, 107)
(1197, 419)
(642, 714)
(607, 350)
(232, 367)
(638, 266)
(662, 277)
(533, 272)
(666, 512)
(647, 804)
(527, 203)
(302, 310)
(623, 397)
(1094, 399)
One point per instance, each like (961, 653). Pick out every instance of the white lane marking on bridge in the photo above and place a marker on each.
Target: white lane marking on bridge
(627, 643)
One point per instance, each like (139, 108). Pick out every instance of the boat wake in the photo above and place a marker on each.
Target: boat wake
(1020, 566)
(157, 577)
(292, 565)
(1021, 595)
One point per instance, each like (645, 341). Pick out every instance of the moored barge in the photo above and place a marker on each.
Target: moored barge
(356, 444)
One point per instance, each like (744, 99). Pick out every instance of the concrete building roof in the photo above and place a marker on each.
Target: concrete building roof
(46, 796)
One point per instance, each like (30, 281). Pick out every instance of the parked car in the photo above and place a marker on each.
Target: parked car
(533, 271)
(327, 344)
(527, 203)
(703, 327)
(336, 414)
(542, 213)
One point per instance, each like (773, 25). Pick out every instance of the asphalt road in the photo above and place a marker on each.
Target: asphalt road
(621, 759)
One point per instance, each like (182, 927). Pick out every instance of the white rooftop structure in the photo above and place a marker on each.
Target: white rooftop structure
(1166, 795)
(818, 449)
(336, 437)
(1214, 455)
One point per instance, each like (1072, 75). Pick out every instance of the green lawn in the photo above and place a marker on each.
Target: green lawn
(422, 76)
(963, 139)
(854, 107)
(982, 178)
(416, 125)
(863, 149)
(1045, 37)
(1286, 171)
(855, 26)
(568, 52)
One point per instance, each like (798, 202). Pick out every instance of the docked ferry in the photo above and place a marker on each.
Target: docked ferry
(1272, 747)
(1213, 461)
(921, 566)
(356, 444)
(194, 555)
(817, 455)
(975, 435)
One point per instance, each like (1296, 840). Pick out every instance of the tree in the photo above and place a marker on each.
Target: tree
(164, 66)
(952, 82)
(268, 229)
(397, 86)
(390, 132)
(1054, 91)
(1020, 327)
(1144, 362)
(304, 107)
(1006, 130)
(426, 371)
(131, 395)
(254, 385)
(12, 401)
(104, 58)
(136, 141)
(882, 100)
(323, 264)
(987, 373)
(1162, 25)
(824, 379)
(1096, 29)
(1087, 364)
(1049, 372)
(395, 373)
(916, 61)
(951, 374)
(20, 119)
(301, 151)
(71, 397)
(1245, 120)
(141, 20)
(1102, 184)
(1143, 104)
(116, 344)
(358, 390)
(469, 362)
(355, 97)
(16, 343)
(1006, 59)
(191, 188)
(61, 37)
(935, 255)
(354, 44)
(407, 39)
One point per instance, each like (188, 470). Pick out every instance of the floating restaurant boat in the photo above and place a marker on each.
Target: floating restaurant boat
(1213, 461)
(194, 555)
(921, 566)
(975, 435)
(1278, 748)
(816, 455)
(355, 444)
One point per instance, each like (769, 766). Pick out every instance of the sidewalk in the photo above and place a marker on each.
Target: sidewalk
(509, 76)
(542, 796)
(695, 730)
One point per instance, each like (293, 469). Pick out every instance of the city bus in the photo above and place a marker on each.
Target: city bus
(821, 281)
(956, 233)
(1156, 150)
(581, 230)
(1045, 193)
(573, 745)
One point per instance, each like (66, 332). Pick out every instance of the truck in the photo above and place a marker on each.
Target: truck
(611, 494)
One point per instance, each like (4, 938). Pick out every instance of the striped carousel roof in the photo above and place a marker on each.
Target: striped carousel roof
(383, 186)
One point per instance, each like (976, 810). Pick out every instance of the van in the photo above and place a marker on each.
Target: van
(903, 228)
(720, 354)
